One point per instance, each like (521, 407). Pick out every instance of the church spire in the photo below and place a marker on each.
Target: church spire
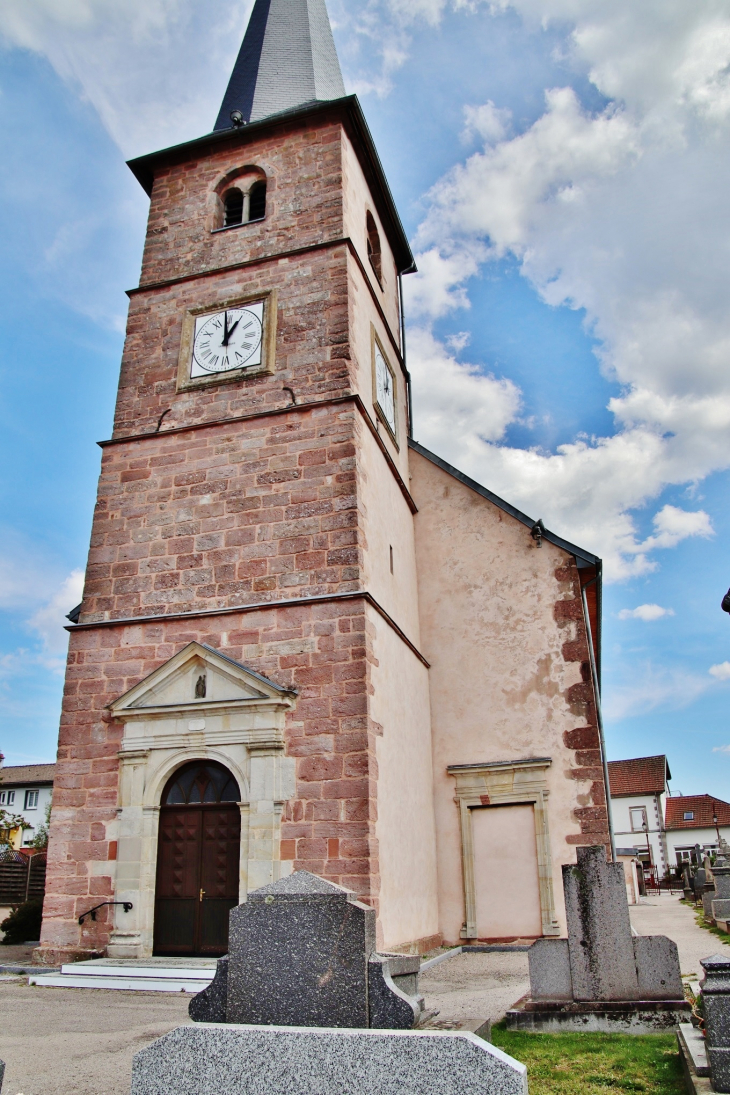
(287, 59)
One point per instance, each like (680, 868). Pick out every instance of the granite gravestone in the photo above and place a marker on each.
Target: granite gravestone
(716, 1006)
(244, 1060)
(301, 952)
(720, 899)
(600, 964)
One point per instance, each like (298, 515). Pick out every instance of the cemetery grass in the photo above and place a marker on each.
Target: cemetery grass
(702, 923)
(594, 1064)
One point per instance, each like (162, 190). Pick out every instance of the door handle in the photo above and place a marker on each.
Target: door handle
(201, 895)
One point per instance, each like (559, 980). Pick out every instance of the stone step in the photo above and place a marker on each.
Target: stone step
(135, 977)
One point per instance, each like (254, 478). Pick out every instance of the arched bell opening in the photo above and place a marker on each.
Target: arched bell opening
(198, 853)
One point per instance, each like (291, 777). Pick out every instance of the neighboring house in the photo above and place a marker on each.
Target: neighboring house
(690, 820)
(639, 790)
(25, 790)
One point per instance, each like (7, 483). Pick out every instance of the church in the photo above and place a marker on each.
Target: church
(306, 641)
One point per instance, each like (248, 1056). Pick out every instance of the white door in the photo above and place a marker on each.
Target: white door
(505, 872)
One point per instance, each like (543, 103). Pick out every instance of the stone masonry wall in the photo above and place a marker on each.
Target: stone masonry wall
(229, 514)
(312, 345)
(592, 812)
(303, 166)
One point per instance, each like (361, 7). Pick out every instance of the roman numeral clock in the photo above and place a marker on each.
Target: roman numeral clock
(227, 341)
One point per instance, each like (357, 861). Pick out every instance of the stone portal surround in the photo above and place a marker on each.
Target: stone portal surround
(505, 784)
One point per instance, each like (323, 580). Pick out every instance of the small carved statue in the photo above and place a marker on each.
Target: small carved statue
(200, 687)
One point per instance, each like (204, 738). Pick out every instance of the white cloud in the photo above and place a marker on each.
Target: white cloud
(455, 401)
(486, 121)
(31, 590)
(720, 672)
(155, 70)
(621, 212)
(645, 612)
(652, 688)
(721, 749)
(50, 620)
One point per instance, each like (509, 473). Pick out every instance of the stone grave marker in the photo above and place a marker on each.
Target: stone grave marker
(720, 899)
(228, 1059)
(716, 1005)
(301, 952)
(601, 977)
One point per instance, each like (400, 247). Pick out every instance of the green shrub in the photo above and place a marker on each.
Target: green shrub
(23, 923)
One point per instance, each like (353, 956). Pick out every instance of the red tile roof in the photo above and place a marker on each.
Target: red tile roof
(699, 805)
(15, 775)
(640, 776)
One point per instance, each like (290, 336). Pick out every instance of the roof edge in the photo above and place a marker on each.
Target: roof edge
(586, 557)
(142, 167)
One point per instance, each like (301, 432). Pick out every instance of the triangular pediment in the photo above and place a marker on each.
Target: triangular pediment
(197, 678)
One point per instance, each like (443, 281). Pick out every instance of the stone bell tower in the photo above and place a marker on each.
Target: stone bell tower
(251, 599)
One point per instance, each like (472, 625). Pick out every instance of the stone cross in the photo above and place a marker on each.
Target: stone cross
(301, 952)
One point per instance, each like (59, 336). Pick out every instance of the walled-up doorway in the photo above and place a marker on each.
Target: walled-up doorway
(198, 855)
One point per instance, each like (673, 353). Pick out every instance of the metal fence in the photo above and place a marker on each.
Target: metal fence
(21, 876)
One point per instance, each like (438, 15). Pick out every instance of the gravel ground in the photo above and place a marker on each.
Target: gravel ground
(476, 986)
(79, 1041)
(663, 914)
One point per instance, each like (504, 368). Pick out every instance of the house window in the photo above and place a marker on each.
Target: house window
(374, 247)
(28, 837)
(638, 819)
(31, 800)
(7, 798)
(688, 815)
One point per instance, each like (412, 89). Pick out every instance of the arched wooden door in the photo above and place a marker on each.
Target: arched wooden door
(198, 855)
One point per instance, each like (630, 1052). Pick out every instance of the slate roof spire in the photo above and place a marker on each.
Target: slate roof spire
(287, 59)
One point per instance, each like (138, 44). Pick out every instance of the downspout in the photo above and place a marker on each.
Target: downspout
(403, 354)
(599, 715)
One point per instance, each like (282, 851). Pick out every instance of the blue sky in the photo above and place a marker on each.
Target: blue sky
(562, 169)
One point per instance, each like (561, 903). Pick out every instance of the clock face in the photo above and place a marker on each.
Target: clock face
(384, 386)
(228, 340)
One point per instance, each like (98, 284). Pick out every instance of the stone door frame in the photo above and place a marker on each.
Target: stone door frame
(246, 735)
(505, 783)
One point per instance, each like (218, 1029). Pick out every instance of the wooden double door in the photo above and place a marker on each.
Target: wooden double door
(197, 865)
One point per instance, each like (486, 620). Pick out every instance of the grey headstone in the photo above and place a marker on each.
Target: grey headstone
(722, 883)
(2, 1073)
(209, 1006)
(707, 898)
(549, 963)
(298, 954)
(721, 908)
(698, 881)
(244, 1060)
(657, 968)
(716, 1005)
(599, 930)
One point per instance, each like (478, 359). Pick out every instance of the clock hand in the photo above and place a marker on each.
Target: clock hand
(226, 332)
(232, 329)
